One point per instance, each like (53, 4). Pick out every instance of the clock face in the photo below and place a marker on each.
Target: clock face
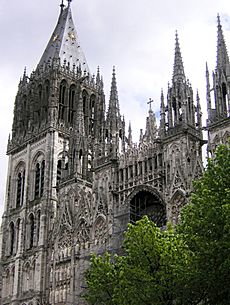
(71, 36)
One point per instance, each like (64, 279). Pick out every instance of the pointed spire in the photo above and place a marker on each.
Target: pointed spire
(208, 96)
(162, 102)
(130, 141)
(162, 114)
(178, 68)
(98, 77)
(113, 110)
(114, 124)
(222, 53)
(199, 113)
(64, 43)
(141, 136)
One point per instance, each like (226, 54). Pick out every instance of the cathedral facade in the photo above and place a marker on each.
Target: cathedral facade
(75, 177)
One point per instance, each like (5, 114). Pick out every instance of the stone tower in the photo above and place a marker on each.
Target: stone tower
(218, 97)
(58, 108)
(76, 179)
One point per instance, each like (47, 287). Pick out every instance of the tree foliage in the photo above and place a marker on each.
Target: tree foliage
(146, 274)
(205, 227)
(189, 265)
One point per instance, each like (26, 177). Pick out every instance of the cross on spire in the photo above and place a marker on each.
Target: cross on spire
(62, 5)
(150, 102)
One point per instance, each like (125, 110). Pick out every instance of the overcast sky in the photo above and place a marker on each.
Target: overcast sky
(138, 37)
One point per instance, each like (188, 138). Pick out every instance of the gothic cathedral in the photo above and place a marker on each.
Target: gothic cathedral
(75, 177)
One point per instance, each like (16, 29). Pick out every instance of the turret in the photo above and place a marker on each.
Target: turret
(180, 103)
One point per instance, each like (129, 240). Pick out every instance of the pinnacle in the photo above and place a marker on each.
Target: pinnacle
(178, 68)
(222, 54)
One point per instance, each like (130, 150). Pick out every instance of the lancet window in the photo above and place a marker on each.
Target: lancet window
(31, 228)
(11, 238)
(72, 94)
(38, 225)
(20, 187)
(59, 168)
(39, 179)
(62, 100)
(46, 100)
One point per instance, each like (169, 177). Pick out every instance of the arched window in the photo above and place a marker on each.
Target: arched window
(38, 225)
(39, 179)
(145, 202)
(31, 231)
(62, 100)
(86, 110)
(11, 238)
(72, 93)
(80, 162)
(42, 177)
(92, 115)
(59, 168)
(39, 104)
(24, 111)
(224, 96)
(18, 234)
(20, 188)
(45, 102)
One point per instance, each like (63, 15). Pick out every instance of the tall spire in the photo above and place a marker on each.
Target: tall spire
(113, 110)
(162, 115)
(64, 43)
(222, 53)
(178, 68)
(198, 111)
(208, 96)
(114, 124)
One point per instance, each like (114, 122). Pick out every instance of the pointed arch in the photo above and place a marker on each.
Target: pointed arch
(72, 104)
(92, 112)
(45, 101)
(38, 225)
(178, 200)
(226, 137)
(11, 238)
(85, 100)
(62, 100)
(18, 234)
(20, 174)
(100, 227)
(38, 166)
(146, 200)
(83, 231)
(224, 99)
(31, 231)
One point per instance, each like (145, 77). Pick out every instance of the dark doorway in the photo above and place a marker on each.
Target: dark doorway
(146, 203)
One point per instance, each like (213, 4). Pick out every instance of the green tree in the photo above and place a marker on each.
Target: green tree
(205, 228)
(147, 273)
